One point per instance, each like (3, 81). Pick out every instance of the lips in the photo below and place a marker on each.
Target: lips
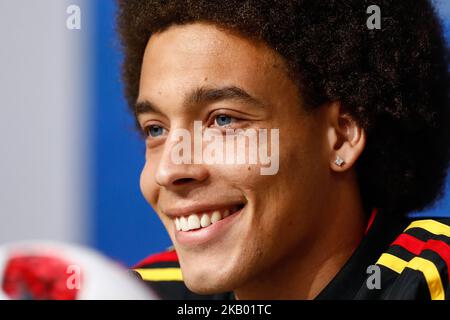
(194, 221)
(200, 223)
(221, 221)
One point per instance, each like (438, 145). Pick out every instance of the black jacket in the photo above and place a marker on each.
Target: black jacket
(411, 258)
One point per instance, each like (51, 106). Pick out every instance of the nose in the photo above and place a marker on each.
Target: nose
(171, 174)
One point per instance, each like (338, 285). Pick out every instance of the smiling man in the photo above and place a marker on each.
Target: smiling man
(362, 118)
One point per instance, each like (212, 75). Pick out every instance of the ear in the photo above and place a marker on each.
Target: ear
(346, 138)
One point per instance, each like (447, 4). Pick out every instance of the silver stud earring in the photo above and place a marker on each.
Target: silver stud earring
(339, 161)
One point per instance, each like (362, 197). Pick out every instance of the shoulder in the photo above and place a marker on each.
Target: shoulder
(416, 264)
(162, 273)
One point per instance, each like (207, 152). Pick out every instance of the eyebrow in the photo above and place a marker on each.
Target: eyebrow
(202, 95)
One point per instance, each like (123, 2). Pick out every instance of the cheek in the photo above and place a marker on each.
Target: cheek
(149, 188)
(290, 194)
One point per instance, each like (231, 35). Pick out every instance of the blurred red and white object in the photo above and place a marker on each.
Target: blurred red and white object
(57, 271)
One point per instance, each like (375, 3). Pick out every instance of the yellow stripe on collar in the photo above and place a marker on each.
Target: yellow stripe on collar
(160, 274)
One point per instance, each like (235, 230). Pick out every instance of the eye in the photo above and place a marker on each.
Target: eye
(154, 131)
(223, 120)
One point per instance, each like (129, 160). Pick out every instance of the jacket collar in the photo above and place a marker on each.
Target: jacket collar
(382, 230)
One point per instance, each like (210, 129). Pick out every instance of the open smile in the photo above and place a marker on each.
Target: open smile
(196, 221)
(200, 227)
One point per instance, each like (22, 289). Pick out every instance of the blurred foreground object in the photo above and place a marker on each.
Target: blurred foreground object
(57, 271)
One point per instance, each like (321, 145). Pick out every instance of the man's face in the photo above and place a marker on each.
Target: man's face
(271, 217)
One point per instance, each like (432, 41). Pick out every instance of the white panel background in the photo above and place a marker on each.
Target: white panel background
(43, 101)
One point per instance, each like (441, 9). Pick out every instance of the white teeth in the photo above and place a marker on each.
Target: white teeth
(216, 216)
(205, 220)
(177, 224)
(193, 222)
(184, 224)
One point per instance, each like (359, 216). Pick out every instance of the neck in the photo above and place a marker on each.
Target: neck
(306, 271)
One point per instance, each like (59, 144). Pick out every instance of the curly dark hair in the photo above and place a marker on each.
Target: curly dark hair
(393, 81)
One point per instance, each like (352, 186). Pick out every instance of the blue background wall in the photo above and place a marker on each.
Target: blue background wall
(125, 227)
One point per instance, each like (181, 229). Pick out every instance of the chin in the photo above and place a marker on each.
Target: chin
(208, 281)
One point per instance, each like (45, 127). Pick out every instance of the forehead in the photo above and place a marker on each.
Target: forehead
(203, 43)
(187, 56)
